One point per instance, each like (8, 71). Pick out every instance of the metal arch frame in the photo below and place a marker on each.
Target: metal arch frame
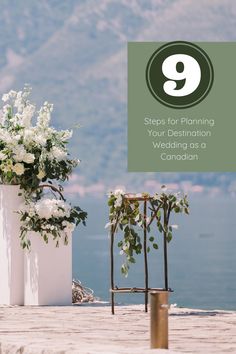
(114, 289)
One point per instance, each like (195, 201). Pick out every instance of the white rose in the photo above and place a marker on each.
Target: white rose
(28, 158)
(18, 168)
(44, 208)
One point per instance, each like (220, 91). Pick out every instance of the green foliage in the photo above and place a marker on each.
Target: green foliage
(125, 214)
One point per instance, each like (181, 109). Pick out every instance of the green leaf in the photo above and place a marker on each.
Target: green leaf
(169, 237)
(132, 222)
(126, 228)
(124, 221)
(155, 245)
(124, 269)
(151, 239)
(111, 201)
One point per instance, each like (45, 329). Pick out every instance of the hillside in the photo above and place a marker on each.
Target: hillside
(73, 53)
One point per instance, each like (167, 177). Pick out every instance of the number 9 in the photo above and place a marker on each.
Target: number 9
(190, 75)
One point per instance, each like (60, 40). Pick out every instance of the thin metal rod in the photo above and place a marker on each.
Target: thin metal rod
(112, 271)
(52, 187)
(145, 253)
(135, 290)
(165, 248)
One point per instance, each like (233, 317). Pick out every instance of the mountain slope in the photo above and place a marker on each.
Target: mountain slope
(74, 54)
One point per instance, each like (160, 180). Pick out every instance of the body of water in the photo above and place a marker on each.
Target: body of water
(202, 262)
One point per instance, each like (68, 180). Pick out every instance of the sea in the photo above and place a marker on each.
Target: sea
(201, 256)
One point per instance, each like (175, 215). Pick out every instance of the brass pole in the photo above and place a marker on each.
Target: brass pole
(159, 319)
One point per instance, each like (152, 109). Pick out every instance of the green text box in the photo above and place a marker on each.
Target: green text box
(199, 138)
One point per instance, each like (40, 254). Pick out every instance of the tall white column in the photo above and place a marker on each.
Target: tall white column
(11, 253)
(48, 272)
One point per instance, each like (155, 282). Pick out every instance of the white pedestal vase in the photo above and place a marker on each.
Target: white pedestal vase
(48, 272)
(11, 253)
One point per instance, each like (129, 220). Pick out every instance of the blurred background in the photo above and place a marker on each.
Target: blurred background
(74, 54)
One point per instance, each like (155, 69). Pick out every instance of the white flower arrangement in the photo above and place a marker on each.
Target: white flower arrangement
(31, 154)
(49, 217)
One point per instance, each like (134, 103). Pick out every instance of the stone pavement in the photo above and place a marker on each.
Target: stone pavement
(90, 329)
